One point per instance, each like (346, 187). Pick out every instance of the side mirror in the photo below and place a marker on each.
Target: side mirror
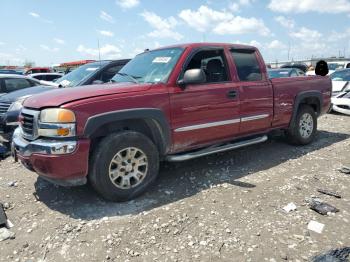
(193, 76)
(321, 68)
(97, 82)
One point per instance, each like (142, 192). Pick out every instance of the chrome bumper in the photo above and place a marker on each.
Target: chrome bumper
(41, 146)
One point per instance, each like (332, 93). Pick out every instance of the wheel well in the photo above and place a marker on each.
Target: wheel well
(314, 102)
(147, 127)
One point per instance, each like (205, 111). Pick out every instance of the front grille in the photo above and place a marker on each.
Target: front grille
(4, 106)
(29, 122)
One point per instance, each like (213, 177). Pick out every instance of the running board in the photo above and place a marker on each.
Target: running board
(213, 150)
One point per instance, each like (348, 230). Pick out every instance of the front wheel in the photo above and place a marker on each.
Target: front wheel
(124, 165)
(303, 130)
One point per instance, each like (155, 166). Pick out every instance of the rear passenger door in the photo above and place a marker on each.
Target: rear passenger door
(256, 94)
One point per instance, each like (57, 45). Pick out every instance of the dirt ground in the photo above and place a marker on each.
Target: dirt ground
(225, 207)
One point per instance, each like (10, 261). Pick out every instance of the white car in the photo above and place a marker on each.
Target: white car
(341, 103)
(47, 78)
(340, 81)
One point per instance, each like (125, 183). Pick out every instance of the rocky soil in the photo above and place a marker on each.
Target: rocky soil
(225, 207)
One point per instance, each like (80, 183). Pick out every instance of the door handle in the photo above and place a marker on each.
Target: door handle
(232, 94)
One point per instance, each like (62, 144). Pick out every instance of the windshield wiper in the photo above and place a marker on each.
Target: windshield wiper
(133, 78)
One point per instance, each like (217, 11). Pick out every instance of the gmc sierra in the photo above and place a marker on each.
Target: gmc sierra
(174, 103)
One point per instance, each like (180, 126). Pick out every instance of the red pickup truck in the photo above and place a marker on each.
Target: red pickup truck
(174, 104)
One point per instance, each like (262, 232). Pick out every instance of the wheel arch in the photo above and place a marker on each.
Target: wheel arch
(311, 98)
(148, 121)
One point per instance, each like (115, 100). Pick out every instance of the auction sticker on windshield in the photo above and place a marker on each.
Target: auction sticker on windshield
(91, 69)
(162, 59)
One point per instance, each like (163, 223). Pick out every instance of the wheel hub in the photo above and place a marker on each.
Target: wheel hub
(128, 168)
(306, 125)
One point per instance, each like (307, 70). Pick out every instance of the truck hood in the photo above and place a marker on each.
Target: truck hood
(15, 95)
(62, 96)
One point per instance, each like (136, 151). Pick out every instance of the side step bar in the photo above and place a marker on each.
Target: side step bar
(213, 150)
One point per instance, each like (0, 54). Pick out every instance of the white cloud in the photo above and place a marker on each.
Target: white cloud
(164, 27)
(234, 7)
(127, 4)
(285, 22)
(255, 43)
(107, 51)
(106, 33)
(276, 44)
(106, 17)
(59, 41)
(20, 49)
(2, 43)
(222, 22)
(10, 59)
(37, 16)
(204, 18)
(50, 49)
(242, 25)
(320, 6)
(306, 35)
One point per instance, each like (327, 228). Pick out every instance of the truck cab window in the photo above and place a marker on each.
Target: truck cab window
(247, 65)
(213, 63)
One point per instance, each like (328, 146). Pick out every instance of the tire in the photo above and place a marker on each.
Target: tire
(115, 162)
(304, 129)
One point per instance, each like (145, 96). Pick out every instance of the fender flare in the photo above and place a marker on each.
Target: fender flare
(154, 118)
(300, 97)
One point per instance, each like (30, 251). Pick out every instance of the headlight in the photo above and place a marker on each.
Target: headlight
(57, 122)
(57, 115)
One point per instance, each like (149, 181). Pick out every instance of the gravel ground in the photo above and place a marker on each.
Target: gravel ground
(225, 207)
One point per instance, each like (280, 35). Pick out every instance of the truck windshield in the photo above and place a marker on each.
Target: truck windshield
(78, 75)
(150, 67)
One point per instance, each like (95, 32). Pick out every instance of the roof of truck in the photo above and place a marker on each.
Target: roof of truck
(196, 45)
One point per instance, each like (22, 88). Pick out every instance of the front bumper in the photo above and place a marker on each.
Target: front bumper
(63, 162)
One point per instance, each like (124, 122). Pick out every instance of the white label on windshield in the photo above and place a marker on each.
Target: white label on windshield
(91, 68)
(284, 73)
(162, 59)
(65, 83)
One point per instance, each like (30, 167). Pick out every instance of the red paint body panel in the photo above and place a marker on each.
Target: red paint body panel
(183, 108)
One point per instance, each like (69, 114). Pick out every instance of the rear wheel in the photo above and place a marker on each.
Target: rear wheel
(124, 165)
(303, 130)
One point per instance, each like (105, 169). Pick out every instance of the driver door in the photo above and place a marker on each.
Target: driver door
(206, 112)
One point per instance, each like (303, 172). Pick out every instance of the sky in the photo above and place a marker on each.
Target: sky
(49, 32)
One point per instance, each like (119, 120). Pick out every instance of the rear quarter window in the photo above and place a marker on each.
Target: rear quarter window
(247, 65)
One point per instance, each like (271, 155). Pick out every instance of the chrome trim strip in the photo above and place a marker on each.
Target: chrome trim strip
(213, 150)
(212, 124)
(252, 118)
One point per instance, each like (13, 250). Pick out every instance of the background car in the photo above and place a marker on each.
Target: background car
(285, 72)
(341, 102)
(93, 73)
(35, 70)
(340, 80)
(10, 72)
(301, 66)
(46, 76)
(11, 82)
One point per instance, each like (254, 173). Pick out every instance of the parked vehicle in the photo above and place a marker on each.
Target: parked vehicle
(174, 103)
(12, 82)
(11, 104)
(35, 70)
(285, 72)
(9, 72)
(341, 102)
(333, 67)
(301, 66)
(340, 81)
(46, 76)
